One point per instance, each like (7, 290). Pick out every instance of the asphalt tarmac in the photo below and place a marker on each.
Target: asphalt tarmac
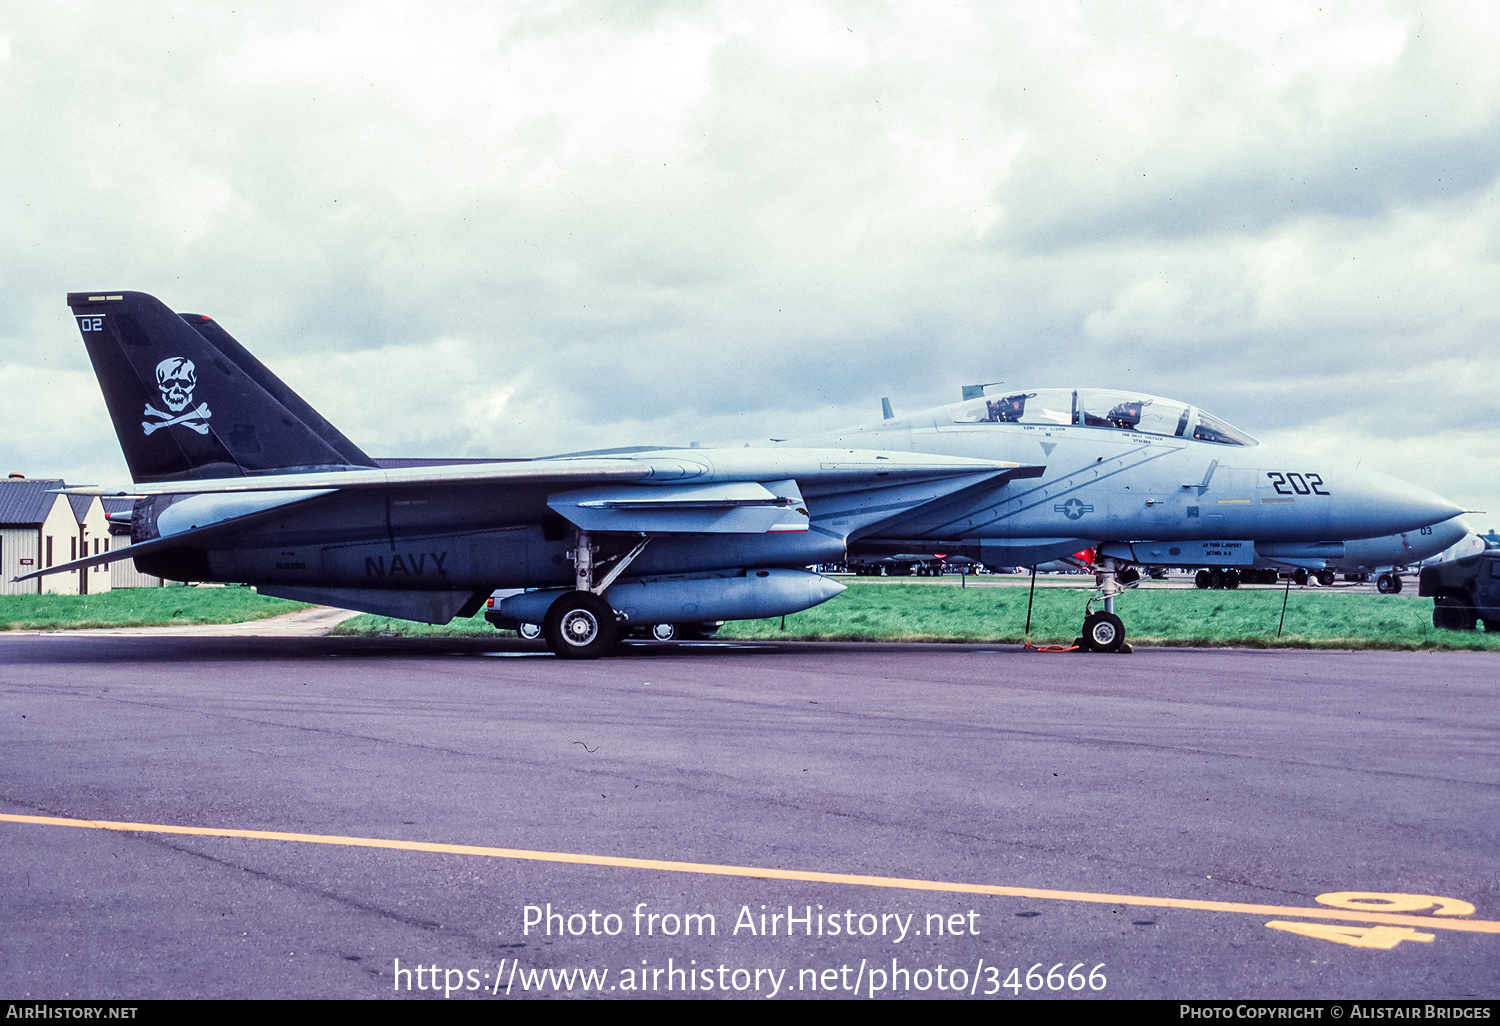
(447, 820)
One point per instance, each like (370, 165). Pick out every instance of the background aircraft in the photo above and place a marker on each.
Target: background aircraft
(1386, 557)
(240, 480)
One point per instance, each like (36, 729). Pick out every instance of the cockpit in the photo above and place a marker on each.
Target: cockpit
(1100, 408)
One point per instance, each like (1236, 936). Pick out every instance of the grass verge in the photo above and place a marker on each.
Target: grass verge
(1153, 616)
(1247, 618)
(367, 625)
(877, 611)
(139, 607)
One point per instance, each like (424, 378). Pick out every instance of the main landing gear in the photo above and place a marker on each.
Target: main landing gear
(581, 624)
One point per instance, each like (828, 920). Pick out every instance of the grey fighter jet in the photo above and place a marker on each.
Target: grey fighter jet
(241, 480)
(1143, 481)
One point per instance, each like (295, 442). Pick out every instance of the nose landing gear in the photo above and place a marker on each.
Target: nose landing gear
(1104, 631)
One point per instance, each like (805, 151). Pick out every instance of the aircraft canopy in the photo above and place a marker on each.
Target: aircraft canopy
(1100, 408)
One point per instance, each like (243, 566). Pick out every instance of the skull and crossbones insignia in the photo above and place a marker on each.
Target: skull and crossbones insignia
(176, 377)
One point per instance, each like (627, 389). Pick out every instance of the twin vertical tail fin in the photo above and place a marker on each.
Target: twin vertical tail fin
(188, 401)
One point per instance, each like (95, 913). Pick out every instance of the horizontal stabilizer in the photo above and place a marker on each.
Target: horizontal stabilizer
(99, 559)
(189, 535)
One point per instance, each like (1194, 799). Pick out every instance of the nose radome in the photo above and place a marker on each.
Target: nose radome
(1388, 505)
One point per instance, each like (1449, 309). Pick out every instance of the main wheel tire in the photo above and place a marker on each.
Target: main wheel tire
(1103, 632)
(1387, 584)
(1231, 579)
(663, 631)
(580, 625)
(1203, 579)
(1451, 613)
(1326, 578)
(529, 631)
(1299, 577)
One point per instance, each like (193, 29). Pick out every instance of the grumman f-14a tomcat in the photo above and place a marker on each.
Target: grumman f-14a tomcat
(240, 480)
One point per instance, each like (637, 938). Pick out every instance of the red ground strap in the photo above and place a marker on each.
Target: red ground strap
(1050, 648)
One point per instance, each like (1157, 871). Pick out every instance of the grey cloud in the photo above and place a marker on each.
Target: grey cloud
(1255, 196)
(467, 230)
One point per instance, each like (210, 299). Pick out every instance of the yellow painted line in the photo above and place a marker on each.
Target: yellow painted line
(766, 873)
(1234, 502)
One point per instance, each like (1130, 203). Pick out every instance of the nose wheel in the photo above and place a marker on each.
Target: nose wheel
(1103, 632)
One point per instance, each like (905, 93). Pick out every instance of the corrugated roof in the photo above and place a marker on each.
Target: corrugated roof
(26, 503)
(80, 504)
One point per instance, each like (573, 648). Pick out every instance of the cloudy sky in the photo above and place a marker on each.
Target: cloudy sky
(514, 229)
